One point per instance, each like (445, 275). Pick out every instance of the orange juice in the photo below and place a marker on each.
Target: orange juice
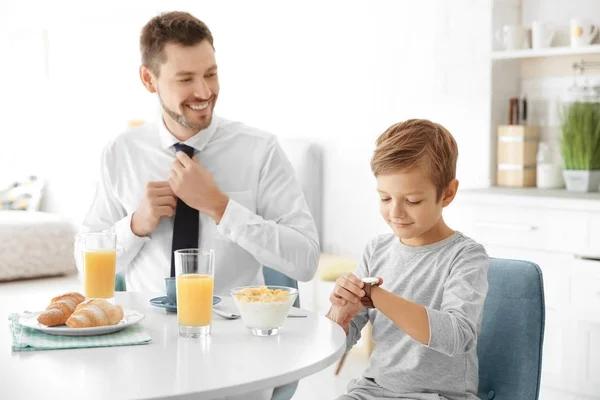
(99, 274)
(194, 299)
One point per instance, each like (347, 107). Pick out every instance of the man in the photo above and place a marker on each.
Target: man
(234, 191)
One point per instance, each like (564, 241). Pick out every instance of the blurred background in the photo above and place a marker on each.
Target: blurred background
(511, 79)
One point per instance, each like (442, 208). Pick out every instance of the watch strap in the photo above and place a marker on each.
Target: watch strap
(366, 300)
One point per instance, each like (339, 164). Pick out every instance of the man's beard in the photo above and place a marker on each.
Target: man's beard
(181, 120)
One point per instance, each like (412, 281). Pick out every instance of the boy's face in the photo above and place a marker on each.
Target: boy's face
(410, 206)
(187, 85)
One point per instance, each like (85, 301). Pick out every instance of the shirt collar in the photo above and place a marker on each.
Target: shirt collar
(198, 141)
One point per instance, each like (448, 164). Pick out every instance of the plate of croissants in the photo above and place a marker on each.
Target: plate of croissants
(71, 314)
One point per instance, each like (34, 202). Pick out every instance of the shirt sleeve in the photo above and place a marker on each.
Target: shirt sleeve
(454, 327)
(361, 319)
(108, 214)
(282, 234)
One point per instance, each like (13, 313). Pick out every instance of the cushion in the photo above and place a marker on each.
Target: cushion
(331, 266)
(22, 195)
(35, 244)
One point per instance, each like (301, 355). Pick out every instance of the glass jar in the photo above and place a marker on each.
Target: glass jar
(549, 171)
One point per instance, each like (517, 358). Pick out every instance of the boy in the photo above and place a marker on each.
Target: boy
(427, 319)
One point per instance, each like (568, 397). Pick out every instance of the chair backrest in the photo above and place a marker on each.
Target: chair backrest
(306, 158)
(120, 285)
(276, 278)
(512, 332)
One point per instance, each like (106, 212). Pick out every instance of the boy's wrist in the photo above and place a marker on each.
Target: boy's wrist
(375, 293)
(370, 283)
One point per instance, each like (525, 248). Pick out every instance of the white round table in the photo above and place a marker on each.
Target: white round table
(232, 362)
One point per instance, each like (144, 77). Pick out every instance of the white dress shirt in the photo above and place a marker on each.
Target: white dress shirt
(266, 222)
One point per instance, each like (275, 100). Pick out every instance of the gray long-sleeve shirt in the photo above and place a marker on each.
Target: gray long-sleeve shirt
(449, 278)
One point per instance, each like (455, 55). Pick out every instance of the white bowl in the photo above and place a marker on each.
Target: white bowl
(264, 314)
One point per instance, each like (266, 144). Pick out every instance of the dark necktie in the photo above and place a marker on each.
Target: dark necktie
(187, 221)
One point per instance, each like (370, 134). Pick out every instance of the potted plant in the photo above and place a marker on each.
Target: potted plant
(580, 146)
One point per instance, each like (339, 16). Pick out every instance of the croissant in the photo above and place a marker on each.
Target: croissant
(95, 312)
(60, 309)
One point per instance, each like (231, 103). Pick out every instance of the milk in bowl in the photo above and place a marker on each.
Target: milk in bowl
(264, 308)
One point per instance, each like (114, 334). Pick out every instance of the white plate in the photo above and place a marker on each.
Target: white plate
(130, 317)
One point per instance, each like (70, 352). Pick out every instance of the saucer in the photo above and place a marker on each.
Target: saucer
(163, 302)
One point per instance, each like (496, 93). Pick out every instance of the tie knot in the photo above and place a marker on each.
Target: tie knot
(185, 148)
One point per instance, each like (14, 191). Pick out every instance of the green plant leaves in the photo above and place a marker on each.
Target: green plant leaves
(580, 139)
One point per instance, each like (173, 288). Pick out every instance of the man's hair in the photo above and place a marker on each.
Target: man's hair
(171, 27)
(417, 143)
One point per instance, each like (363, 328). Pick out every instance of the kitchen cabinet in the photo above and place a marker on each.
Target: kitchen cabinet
(561, 234)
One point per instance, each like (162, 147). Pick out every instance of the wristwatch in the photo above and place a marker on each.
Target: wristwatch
(369, 282)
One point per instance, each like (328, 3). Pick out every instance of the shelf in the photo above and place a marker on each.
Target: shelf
(542, 198)
(536, 192)
(548, 52)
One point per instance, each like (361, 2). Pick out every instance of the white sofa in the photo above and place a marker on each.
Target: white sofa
(35, 244)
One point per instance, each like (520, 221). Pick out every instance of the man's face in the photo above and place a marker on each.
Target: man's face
(188, 84)
(409, 204)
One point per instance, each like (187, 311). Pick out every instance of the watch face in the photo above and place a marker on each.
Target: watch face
(371, 281)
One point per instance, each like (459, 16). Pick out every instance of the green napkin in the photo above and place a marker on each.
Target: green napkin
(29, 339)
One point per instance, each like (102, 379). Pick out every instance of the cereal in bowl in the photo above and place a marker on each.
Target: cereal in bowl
(261, 294)
(264, 308)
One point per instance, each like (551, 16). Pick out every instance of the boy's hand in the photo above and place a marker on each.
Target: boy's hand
(348, 289)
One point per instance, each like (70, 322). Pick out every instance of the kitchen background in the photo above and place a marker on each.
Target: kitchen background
(524, 216)
(338, 73)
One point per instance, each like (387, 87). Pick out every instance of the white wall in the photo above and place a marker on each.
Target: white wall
(339, 72)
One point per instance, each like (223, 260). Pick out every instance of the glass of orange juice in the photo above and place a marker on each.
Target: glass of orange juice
(99, 263)
(194, 269)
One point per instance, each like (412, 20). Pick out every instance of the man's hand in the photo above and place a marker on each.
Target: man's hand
(159, 201)
(345, 300)
(342, 315)
(193, 184)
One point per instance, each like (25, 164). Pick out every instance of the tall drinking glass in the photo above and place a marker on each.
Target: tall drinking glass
(194, 269)
(99, 264)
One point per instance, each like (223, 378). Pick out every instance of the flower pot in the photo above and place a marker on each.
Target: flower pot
(582, 180)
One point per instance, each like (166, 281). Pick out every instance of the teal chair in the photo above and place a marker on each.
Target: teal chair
(512, 332)
(120, 285)
(276, 278)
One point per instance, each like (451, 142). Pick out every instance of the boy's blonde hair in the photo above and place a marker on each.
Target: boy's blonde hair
(417, 143)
